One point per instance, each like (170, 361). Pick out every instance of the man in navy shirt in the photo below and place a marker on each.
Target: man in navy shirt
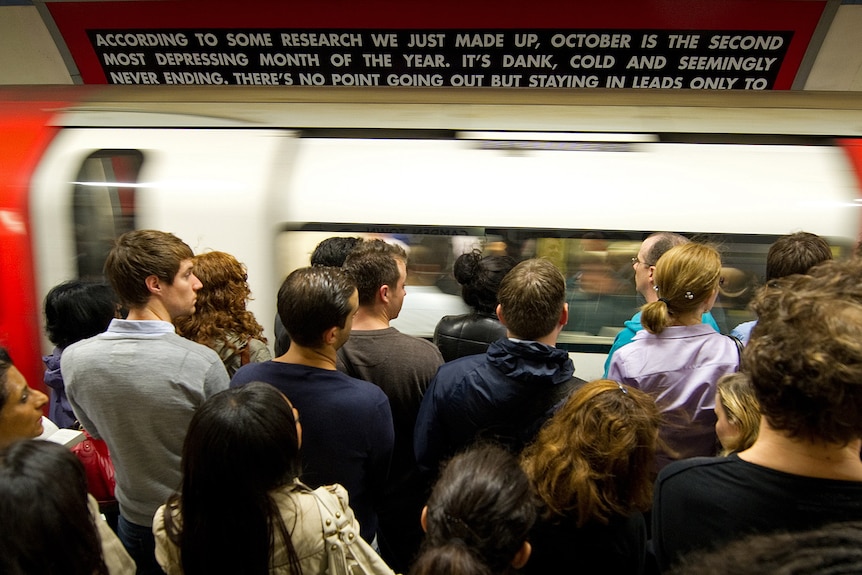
(347, 430)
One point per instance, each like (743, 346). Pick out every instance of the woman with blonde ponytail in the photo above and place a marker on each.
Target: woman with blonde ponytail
(677, 358)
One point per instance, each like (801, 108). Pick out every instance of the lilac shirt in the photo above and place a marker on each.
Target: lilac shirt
(679, 367)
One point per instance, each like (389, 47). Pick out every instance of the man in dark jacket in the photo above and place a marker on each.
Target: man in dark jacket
(506, 394)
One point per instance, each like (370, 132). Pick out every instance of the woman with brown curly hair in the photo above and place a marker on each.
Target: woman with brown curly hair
(221, 320)
(592, 467)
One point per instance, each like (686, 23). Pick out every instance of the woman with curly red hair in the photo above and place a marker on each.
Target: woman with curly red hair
(592, 467)
(221, 320)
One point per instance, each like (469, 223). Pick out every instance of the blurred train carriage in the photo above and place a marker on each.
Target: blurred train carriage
(265, 174)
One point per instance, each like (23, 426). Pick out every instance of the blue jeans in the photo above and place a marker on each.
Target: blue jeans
(141, 545)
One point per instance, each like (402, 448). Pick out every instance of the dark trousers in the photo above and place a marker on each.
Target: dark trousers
(141, 545)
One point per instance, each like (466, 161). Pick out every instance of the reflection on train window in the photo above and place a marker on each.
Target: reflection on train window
(103, 206)
(597, 266)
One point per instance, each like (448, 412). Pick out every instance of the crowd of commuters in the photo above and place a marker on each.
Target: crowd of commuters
(360, 449)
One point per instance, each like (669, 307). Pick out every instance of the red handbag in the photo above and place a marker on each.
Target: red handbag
(93, 453)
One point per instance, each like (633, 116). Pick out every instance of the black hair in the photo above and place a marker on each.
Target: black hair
(76, 310)
(479, 514)
(240, 446)
(480, 278)
(332, 252)
(5, 364)
(828, 550)
(43, 502)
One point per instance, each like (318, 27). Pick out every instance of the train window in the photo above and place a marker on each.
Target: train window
(103, 206)
(597, 266)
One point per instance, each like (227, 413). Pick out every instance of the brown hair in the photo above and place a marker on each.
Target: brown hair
(220, 309)
(371, 264)
(796, 254)
(139, 254)
(805, 353)
(594, 458)
(685, 277)
(313, 299)
(532, 295)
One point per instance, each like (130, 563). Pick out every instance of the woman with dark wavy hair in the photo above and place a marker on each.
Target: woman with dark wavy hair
(592, 467)
(221, 320)
(478, 516)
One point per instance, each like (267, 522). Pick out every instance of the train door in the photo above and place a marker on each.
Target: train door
(210, 187)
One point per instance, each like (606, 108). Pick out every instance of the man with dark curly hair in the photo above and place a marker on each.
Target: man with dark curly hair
(804, 470)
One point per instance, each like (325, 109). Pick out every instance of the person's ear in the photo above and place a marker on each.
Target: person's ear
(500, 314)
(330, 335)
(564, 315)
(383, 293)
(153, 284)
(423, 519)
(522, 556)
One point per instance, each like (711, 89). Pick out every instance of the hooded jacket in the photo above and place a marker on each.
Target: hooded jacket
(504, 395)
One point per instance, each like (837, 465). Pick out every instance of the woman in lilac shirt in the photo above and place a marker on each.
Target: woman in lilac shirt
(677, 358)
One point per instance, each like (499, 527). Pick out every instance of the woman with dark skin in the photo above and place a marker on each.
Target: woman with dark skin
(20, 405)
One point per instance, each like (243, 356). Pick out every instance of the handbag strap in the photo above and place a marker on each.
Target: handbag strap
(346, 552)
(335, 546)
(739, 347)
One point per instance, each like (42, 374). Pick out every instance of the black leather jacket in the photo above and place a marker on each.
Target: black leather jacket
(460, 335)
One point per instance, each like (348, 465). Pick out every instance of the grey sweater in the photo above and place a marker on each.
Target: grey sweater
(137, 386)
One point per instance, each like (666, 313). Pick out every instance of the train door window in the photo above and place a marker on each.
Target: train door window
(103, 206)
(597, 265)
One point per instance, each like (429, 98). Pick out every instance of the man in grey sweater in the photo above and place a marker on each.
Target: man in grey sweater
(138, 384)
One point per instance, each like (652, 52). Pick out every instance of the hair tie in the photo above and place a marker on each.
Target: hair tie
(458, 541)
(667, 303)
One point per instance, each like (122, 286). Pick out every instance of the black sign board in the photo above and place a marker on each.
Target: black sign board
(724, 60)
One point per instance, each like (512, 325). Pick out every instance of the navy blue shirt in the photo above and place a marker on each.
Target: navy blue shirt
(347, 433)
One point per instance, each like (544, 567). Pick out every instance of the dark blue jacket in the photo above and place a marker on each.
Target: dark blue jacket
(504, 395)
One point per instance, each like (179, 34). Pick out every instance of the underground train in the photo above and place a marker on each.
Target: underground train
(580, 177)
